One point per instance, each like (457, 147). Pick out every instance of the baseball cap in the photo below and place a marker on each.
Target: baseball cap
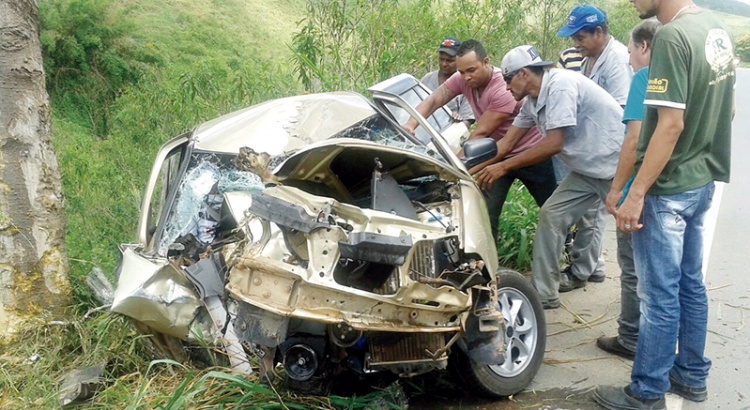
(450, 46)
(580, 17)
(520, 57)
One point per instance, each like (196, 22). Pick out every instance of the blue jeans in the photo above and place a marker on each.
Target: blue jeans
(668, 253)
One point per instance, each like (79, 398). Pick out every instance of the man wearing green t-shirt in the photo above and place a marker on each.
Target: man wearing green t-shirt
(684, 146)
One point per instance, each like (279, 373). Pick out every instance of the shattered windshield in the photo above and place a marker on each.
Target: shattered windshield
(379, 130)
(198, 201)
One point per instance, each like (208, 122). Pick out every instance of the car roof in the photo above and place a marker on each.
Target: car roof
(279, 125)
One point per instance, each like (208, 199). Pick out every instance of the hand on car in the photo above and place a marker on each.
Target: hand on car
(410, 127)
(488, 175)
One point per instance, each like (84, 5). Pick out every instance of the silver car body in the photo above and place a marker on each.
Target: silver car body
(302, 135)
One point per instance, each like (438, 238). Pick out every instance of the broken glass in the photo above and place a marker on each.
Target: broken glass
(199, 197)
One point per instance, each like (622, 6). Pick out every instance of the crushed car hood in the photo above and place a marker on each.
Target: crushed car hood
(283, 125)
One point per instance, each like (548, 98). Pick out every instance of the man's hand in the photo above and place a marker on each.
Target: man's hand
(613, 198)
(410, 126)
(628, 214)
(487, 176)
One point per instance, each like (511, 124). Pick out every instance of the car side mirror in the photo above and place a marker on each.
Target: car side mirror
(478, 150)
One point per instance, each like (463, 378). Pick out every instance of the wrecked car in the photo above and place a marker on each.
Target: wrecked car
(313, 234)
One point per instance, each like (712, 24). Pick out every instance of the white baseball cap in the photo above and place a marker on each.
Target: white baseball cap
(520, 57)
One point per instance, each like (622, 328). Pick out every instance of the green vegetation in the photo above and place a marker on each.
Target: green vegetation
(727, 6)
(37, 359)
(126, 76)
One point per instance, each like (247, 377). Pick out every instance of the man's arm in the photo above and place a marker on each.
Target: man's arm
(542, 151)
(504, 146)
(625, 165)
(659, 150)
(439, 98)
(465, 111)
(488, 123)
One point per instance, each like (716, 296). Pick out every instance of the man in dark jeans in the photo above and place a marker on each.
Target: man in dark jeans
(494, 109)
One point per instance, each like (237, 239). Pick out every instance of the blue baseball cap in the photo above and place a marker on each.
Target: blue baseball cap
(581, 17)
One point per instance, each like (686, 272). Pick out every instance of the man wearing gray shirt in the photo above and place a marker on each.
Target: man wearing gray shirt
(606, 62)
(581, 124)
(447, 67)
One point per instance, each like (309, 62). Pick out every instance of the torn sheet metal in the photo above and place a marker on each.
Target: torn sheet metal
(156, 293)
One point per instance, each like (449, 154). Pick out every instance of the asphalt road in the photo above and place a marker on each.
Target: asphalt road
(573, 365)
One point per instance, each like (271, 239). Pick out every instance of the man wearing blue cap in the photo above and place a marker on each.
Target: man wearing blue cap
(580, 123)
(606, 62)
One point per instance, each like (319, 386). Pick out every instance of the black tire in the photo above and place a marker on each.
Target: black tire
(525, 342)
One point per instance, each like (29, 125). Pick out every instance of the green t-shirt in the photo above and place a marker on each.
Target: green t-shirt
(692, 69)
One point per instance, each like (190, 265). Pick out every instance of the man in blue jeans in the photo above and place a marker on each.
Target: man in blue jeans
(684, 146)
(639, 47)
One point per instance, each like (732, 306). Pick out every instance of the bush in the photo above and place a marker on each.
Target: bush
(742, 48)
(516, 228)
(356, 43)
(89, 57)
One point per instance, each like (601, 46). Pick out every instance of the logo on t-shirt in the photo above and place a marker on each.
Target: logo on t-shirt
(658, 85)
(719, 54)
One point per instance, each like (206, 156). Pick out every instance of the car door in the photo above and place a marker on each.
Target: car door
(412, 92)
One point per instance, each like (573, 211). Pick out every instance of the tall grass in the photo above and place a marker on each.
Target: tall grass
(37, 361)
(107, 128)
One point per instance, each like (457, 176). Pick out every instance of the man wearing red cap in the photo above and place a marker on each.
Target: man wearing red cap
(447, 67)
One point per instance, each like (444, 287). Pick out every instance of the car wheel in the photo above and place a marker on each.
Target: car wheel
(525, 339)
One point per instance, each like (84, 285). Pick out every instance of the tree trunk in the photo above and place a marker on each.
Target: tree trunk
(33, 264)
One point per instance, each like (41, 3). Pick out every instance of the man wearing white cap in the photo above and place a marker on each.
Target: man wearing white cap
(580, 123)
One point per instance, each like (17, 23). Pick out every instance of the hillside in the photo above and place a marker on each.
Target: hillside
(734, 7)
(259, 28)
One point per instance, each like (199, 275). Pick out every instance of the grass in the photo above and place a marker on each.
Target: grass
(36, 361)
(213, 58)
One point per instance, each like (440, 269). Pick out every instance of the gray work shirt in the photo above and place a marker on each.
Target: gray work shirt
(459, 104)
(612, 70)
(591, 117)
